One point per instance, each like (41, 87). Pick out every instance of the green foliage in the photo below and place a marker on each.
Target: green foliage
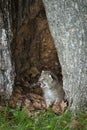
(11, 119)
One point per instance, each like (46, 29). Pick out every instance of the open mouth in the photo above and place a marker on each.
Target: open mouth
(42, 85)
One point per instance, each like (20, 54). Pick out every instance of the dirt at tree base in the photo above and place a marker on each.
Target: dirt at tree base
(34, 102)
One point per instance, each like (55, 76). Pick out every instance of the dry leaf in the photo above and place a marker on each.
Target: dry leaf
(63, 105)
(59, 107)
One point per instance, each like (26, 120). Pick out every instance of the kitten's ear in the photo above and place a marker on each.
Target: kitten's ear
(54, 77)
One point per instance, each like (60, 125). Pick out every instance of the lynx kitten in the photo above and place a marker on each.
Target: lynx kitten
(52, 90)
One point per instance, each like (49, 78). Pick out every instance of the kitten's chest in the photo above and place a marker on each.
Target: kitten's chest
(50, 94)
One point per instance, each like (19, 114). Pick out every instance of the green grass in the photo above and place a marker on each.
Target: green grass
(11, 119)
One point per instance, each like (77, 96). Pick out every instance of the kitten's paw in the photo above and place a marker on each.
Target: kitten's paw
(48, 103)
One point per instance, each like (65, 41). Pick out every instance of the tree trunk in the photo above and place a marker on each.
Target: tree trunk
(68, 26)
(6, 68)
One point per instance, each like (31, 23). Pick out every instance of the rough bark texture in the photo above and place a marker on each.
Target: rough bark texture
(6, 68)
(68, 25)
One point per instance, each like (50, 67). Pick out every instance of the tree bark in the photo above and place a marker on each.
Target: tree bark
(6, 68)
(68, 25)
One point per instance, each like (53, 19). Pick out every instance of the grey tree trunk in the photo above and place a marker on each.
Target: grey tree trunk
(6, 68)
(68, 25)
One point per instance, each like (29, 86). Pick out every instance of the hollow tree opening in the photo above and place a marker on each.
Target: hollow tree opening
(32, 47)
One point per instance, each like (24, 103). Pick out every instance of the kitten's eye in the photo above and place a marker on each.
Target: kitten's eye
(50, 76)
(42, 71)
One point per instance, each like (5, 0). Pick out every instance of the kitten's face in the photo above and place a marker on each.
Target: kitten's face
(45, 79)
